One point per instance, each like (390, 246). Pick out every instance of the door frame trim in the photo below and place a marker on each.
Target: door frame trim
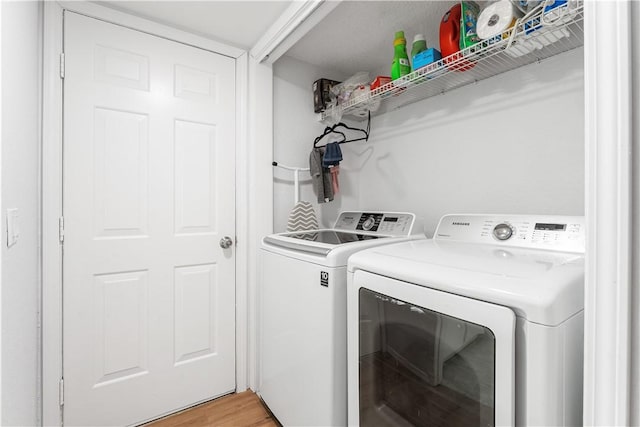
(611, 205)
(52, 134)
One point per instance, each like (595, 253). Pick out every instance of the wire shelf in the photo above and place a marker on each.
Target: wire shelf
(535, 37)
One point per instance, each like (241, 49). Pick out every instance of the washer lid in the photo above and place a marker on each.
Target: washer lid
(332, 237)
(319, 242)
(353, 231)
(544, 287)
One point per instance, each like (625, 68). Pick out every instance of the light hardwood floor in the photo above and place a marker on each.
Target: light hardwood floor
(237, 410)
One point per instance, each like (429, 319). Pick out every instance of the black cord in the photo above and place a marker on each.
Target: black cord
(368, 125)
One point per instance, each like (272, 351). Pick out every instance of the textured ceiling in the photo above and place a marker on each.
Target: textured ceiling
(236, 23)
(358, 35)
(355, 36)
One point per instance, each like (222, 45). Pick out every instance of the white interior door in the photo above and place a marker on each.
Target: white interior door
(149, 167)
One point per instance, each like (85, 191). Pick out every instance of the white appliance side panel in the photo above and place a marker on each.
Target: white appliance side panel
(353, 351)
(500, 320)
(303, 341)
(549, 364)
(573, 370)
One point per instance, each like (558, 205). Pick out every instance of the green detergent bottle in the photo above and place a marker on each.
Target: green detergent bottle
(419, 45)
(400, 65)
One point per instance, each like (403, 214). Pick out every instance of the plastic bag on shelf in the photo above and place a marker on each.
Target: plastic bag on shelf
(344, 91)
(355, 87)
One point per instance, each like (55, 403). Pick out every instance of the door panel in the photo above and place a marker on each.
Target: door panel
(195, 184)
(120, 180)
(149, 167)
(195, 307)
(120, 341)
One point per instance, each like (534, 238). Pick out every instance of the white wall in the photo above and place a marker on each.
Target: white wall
(295, 127)
(1, 206)
(21, 54)
(634, 392)
(513, 143)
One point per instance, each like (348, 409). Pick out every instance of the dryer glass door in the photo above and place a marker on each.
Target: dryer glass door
(429, 358)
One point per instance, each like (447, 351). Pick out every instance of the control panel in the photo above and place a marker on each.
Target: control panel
(556, 232)
(383, 223)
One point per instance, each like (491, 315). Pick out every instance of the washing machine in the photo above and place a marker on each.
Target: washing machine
(302, 312)
(480, 326)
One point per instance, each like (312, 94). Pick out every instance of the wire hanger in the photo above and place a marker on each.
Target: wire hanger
(332, 129)
(328, 131)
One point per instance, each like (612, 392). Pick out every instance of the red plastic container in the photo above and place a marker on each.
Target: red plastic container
(380, 81)
(450, 39)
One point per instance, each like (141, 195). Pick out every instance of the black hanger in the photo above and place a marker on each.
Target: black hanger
(332, 129)
(365, 132)
(327, 131)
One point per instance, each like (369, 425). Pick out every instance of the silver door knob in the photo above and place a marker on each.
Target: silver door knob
(226, 242)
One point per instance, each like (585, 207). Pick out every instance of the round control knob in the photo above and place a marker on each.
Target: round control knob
(502, 231)
(368, 223)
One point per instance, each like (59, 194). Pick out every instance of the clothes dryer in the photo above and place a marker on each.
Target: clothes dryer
(481, 326)
(302, 312)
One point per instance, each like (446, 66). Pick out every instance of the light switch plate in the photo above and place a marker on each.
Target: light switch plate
(12, 227)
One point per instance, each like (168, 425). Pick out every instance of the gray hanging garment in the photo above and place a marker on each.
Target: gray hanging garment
(320, 177)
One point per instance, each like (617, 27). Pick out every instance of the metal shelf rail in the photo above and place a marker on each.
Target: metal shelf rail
(535, 37)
